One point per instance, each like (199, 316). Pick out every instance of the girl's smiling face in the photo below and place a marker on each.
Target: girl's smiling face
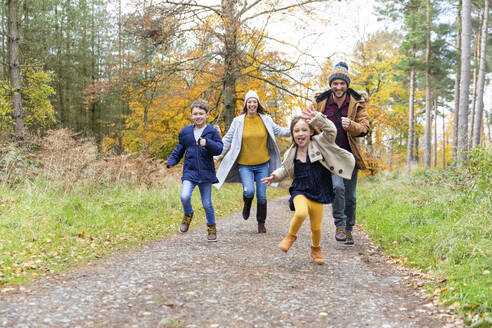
(301, 133)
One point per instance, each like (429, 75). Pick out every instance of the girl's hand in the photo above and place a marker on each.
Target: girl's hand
(308, 114)
(268, 180)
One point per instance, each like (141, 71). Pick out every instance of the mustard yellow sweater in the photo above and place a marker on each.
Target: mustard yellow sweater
(254, 143)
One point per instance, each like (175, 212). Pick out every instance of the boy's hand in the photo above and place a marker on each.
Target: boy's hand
(268, 180)
(202, 142)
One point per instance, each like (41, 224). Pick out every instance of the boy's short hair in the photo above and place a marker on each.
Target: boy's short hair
(200, 103)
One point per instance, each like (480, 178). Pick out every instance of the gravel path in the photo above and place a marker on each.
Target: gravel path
(243, 280)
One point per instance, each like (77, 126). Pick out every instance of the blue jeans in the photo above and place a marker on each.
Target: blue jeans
(206, 194)
(345, 200)
(254, 173)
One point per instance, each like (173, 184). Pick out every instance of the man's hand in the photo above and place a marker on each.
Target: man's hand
(202, 141)
(345, 123)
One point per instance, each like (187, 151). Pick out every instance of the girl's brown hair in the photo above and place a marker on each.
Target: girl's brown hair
(293, 123)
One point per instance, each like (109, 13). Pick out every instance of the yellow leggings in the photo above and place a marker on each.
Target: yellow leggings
(305, 207)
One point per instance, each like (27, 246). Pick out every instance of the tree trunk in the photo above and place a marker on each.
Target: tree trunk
(464, 81)
(444, 140)
(474, 94)
(417, 149)
(481, 78)
(454, 147)
(230, 60)
(15, 74)
(428, 100)
(435, 133)
(411, 119)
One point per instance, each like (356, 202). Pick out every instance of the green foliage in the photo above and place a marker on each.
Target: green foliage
(36, 105)
(36, 93)
(439, 221)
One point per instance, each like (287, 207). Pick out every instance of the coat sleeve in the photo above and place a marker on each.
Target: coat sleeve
(327, 127)
(279, 131)
(227, 140)
(214, 144)
(359, 127)
(178, 152)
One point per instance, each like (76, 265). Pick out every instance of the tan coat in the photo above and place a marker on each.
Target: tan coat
(359, 121)
(321, 148)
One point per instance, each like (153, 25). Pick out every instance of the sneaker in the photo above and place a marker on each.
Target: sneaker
(211, 232)
(185, 224)
(340, 234)
(349, 241)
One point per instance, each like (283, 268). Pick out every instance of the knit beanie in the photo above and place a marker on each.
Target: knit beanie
(340, 71)
(251, 94)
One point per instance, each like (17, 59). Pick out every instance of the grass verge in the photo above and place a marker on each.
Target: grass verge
(46, 227)
(438, 227)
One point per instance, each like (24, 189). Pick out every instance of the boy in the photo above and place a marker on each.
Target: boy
(200, 141)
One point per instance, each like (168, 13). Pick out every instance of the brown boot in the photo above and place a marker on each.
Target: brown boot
(317, 256)
(185, 224)
(287, 242)
(212, 232)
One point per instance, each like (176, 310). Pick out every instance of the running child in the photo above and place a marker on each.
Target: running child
(310, 162)
(198, 142)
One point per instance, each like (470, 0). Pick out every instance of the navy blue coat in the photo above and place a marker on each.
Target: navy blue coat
(199, 164)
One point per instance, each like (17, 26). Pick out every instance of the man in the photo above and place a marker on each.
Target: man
(347, 110)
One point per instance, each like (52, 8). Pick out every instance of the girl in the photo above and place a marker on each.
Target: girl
(253, 155)
(310, 161)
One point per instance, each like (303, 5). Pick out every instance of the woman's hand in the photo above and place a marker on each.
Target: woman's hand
(309, 113)
(268, 180)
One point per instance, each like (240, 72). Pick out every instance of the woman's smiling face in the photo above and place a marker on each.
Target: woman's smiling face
(252, 106)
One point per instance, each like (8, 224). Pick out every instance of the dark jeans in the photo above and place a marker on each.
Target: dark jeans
(345, 200)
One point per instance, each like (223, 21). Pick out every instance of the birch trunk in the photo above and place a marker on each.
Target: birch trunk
(428, 100)
(464, 81)
(411, 119)
(481, 78)
(454, 146)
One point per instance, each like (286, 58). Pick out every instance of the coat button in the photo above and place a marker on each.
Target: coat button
(317, 153)
(340, 171)
(331, 168)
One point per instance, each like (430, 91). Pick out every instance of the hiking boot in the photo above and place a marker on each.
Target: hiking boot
(261, 227)
(212, 232)
(349, 241)
(287, 242)
(340, 234)
(247, 207)
(185, 224)
(316, 255)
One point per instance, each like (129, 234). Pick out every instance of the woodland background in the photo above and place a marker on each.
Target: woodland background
(125, 75)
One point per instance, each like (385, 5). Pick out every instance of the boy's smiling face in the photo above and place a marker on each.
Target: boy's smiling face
(199, 117)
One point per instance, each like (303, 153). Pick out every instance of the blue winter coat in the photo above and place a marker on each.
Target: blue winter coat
(199, 164)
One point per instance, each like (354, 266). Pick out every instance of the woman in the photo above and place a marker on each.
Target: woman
(253, 155)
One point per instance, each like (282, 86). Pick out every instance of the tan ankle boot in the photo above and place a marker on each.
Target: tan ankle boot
(317, 256)
(287, 242)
